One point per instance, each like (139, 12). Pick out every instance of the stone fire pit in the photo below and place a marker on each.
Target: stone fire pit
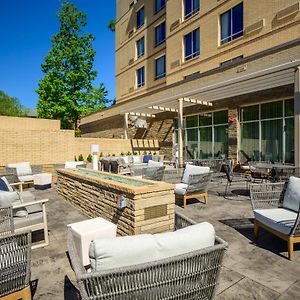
(150, 205)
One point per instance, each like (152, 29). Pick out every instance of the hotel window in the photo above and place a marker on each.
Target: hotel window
(190, 8)
(192, 44)
(160, 67)
(206, 135)
(267, 131)
(140, 47)
(159, 5)
(232, 24)
(140, 77)
(160, 34)
(140, 18)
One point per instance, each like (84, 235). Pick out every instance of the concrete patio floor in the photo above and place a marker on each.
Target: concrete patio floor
(251, 269)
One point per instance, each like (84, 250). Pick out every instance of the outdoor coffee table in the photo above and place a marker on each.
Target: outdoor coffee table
(85, 231)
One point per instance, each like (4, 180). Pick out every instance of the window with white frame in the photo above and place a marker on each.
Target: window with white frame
(160, 34)
(191, 7)
(232, 24)
(160, 67)
(140, 77)
(140, 47)
(192, 44)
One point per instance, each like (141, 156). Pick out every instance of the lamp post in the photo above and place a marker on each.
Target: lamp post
(95, 150)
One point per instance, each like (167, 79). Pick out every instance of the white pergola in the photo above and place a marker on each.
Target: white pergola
(174, 106)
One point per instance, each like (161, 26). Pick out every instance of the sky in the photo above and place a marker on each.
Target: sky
(26, 29)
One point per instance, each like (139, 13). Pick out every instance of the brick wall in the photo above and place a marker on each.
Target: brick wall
(23, 140)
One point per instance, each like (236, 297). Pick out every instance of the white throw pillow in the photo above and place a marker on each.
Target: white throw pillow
(137, 159)
(292, 194)
(192, 170)
(131, 250)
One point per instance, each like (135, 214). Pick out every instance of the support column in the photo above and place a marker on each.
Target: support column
(233, 135)
(180, 135)
(126, 126)
(297, 118)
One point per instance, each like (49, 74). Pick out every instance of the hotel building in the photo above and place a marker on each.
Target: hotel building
(216, 77)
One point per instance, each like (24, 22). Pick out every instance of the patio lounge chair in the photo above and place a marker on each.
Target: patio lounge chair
(24, 171)
(276, 207)
(28, 214)
(14, 259)
(194, 183)
(192, 274)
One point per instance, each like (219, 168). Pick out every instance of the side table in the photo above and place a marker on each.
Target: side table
(86, 231)
(42, 181)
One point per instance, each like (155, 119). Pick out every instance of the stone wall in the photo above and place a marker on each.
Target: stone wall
(150, 209)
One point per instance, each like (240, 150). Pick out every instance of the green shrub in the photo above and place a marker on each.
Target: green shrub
(75, 158)
(122, 154)
(80, 157)
(89, 158)
(135, 153)
(114, 155)
(101, 154)
(128, 153)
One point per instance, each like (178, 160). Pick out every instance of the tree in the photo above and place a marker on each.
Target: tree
(112, 25)
(10, 106)
(66, 91)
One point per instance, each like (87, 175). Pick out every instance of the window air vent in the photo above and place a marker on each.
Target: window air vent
(175, 24)
(293, 9)
(255, 27)
(131, 61)
(175, 64)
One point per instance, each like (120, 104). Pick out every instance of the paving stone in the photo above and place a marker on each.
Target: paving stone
(248, 289)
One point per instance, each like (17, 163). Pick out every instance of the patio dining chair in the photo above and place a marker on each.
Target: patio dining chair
(234, 178)
(15, 249)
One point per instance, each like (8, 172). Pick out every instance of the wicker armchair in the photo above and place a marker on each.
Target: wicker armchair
(196, 187)
(193, 275)
(14, 259)
(271, 213)
(6, 221)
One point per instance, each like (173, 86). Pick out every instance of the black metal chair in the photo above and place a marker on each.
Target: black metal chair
(234, 178)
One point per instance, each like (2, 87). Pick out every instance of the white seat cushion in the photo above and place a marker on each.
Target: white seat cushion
(180, 188)
(73, 164)
(279, 219)
(152, 163)
(292, 194)
(192, 170)
(131, 250)
(25, 178)
(22, 168)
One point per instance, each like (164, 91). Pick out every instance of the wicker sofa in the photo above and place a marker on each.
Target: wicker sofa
(276, 207)
(191, 275)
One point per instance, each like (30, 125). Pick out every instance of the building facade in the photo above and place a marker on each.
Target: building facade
(215, 76)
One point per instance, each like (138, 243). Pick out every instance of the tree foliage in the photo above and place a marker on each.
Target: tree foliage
(66, 91)
(112, 25)
(10, 106)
